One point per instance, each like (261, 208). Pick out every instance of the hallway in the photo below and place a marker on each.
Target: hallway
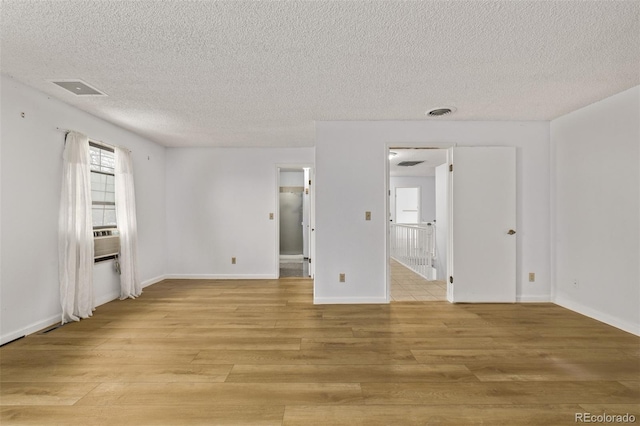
(407, 286)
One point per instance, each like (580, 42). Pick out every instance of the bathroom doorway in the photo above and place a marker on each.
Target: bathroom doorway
(294, 209)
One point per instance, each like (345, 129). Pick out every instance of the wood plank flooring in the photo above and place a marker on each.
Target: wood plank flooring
(208, 352)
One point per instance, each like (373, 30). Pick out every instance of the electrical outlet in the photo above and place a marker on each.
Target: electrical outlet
(270, 216)
(532, 277)
(367, 215)
(233, 260)
(342, 278)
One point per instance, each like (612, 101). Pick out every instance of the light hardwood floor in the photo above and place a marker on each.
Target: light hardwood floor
(260, 353)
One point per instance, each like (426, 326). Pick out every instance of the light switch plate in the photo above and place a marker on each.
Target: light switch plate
(367, 215)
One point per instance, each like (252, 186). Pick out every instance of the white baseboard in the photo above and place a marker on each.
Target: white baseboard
(56, 319)
(116, 295)
(533, 299)
(36, 326)
(220, 277)
(597, 315)
(151, 281)
(349, 300)
(48, 322)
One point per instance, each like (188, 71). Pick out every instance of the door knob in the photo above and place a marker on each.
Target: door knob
(511, 232)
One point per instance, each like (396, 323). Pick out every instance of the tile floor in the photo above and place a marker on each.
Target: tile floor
(408, 286)
(294, 269)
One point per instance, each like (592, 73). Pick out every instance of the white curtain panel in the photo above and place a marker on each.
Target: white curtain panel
(127, 225)
(75, 231)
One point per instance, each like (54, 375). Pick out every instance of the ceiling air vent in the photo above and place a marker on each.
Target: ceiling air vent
(79, 88)
(439, 112)
(409, 163)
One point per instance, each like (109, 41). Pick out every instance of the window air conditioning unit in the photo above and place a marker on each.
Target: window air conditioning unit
(106, 243)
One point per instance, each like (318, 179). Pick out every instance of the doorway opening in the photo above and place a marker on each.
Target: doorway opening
(475, 226)
(294, 222)
(418, 224)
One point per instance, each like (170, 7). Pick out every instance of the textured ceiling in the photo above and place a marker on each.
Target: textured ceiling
(205, 73)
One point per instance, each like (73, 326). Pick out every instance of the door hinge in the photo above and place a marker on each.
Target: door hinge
(451, 279)
(450, 167)
(309, 182)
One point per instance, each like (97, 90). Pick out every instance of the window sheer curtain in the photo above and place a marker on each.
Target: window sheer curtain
(75, 231)
(130, 286)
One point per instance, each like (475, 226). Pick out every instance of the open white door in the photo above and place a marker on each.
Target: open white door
(312, 223)
(407, 205)
(482, 240)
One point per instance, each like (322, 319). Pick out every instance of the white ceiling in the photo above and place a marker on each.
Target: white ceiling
(240, 73)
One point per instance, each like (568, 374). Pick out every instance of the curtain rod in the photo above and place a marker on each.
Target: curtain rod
(95, 140)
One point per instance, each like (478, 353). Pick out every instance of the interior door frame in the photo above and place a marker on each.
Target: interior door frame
(312, 243)
(399, 145)
(390, 146)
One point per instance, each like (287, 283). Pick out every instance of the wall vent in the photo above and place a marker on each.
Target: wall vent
(440, 111)
(409, 163)
(79, 88)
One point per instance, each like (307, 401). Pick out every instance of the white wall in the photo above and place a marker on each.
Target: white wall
(30, 180)
(218, 205)
(427, 185)
(596, 191)
(351, 158)
(292, 178)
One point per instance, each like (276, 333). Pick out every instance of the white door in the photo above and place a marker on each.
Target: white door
(312, 224)
(482, 249)
(442, 220)
(407, 205)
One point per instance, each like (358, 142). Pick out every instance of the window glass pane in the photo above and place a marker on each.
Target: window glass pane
(95, 158)
(102, 160)
(102, 187)
(107, 161)
(110, 184)
(109, 216)
(96, 178)
(99, 196)
(98, 215)
(110, 189)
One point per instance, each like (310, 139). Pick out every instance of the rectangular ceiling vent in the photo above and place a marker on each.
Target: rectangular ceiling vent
(409, 163)
(79, 88)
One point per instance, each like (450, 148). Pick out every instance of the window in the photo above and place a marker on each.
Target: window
(103, 198)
